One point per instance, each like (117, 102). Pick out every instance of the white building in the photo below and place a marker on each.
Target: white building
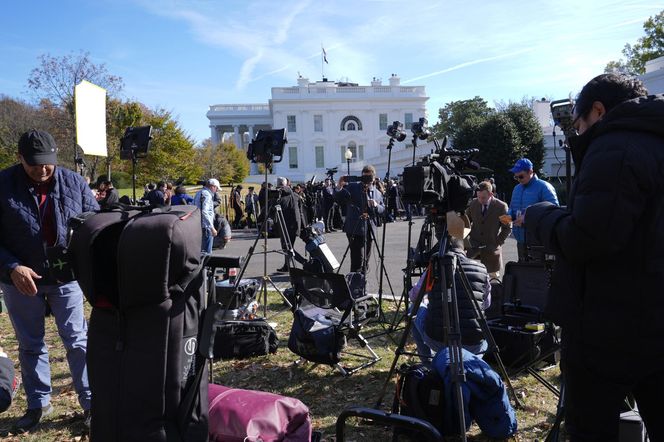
(323, 119)
(653, 79)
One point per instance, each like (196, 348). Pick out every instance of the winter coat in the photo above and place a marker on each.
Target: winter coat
(290, 207)
(607, 287)
(524, 196)
(487, 233)
(20, 238)
(353, 196)
(471, 332)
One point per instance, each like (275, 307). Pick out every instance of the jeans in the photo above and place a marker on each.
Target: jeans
(207, 240)
(27, 316)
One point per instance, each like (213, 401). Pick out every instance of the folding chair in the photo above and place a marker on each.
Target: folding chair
(324, 316)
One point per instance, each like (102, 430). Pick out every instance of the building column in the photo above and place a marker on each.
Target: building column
(251, 133)
(214, 135)
(237, 137)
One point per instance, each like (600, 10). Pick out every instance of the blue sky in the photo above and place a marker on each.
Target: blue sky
(184, 55)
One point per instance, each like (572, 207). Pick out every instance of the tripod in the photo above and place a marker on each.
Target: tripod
(442, 268)
(286, 244)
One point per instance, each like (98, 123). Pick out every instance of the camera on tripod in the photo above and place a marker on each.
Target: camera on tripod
(396, 131)
(267, 145)
(437, 180)
(421, 129)
(330, 172)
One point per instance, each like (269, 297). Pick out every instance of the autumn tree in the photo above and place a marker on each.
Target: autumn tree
(53, 82)
(646, 48)
(16, 117)
(223, 161)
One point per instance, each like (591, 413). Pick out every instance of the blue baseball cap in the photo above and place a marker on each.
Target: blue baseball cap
(521, 165)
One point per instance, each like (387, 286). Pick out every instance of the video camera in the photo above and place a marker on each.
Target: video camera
(437, 181)
(421, 129)
(330, 172)
(562, 113)
(267, 145)
(396, 131)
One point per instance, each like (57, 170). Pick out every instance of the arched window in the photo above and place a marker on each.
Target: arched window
(351, 123)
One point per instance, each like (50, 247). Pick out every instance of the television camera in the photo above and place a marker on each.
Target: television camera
(561, 112)
(437, 181)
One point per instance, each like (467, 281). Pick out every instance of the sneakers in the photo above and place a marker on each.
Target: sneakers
(31, 419)
(283, 269)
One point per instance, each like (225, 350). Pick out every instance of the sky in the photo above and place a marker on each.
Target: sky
(185, 55)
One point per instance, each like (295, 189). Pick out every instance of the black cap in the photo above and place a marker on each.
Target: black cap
(38, 147)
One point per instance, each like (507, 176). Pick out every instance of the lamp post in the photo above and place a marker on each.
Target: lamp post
(349, 155)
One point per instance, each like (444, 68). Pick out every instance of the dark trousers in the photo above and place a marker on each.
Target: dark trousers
(594, 397)
(238, 216)
(357, 244)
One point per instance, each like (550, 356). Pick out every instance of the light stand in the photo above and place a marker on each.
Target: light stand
(134, 144)
(348, 155)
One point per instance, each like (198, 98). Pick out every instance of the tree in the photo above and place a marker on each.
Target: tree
(16, 117)
(646, 48)
(223, 161)
(456, 114)
(172, 155)
(53, 82)
(502, 135)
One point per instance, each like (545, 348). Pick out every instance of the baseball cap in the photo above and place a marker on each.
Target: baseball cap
(213, 182)
(38, 147)
(522, 165)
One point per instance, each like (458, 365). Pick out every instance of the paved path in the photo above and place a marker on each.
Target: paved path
(396, 243)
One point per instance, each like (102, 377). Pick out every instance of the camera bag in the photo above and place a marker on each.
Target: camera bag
(521, 331)
(140, 269)
(315, 340)
(420, 394)
(228, 296)
(242, 339)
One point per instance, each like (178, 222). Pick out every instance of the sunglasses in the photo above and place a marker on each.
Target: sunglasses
(519, 177)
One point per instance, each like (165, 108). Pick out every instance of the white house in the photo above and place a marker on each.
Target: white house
(323, 119)
(653, 79)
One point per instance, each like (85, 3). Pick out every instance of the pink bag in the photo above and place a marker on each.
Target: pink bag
(245, 415)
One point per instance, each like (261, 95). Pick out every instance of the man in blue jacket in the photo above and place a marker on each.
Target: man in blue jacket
(529, 191)
(36, 200)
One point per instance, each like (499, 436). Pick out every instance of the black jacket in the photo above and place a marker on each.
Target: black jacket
(607, 288)
(290, 206)
(471, 332)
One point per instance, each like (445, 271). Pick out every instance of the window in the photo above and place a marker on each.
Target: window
(382, 121)
(292, 157)
(291, 123)
(318, 123)
(320, 157)
(358, 152)
(408, 118)
(349, 121)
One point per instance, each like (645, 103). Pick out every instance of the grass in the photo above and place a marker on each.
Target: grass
(321, 388)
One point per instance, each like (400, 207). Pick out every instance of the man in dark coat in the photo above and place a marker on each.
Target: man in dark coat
(37, 198)
(111, 197)
(607, 289)
(290, 207)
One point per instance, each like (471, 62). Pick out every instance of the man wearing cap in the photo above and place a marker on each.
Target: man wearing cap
(204, 200)
(37, 198)
(529, 191)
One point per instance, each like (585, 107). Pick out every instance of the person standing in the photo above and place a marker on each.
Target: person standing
(529, 191)
(608, 279)
(236, 204)
(487, 232)
(364, 206)
(250, 207)
(204, 200)
(290, 208)
(37, 198)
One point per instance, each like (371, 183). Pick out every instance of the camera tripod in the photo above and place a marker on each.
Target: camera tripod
(442, 268)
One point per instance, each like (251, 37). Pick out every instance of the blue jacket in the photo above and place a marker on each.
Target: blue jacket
(484, 396)
(523, 197)
(352, 196)
(20, 238)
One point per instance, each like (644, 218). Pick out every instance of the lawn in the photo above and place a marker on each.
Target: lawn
(321, 388)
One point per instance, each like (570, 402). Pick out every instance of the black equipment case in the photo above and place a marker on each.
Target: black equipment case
(521, 332)
(141, 271)
(247, 290)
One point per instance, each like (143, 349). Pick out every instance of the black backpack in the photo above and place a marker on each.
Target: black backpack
(420, 394)
(140, 269)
